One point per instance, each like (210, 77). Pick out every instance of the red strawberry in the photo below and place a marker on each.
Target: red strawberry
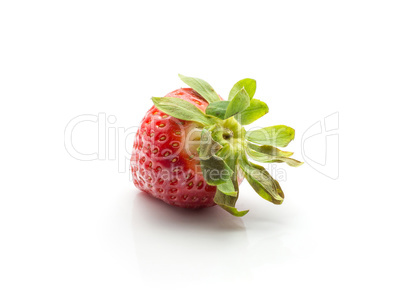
(191, 148)
(161, 164)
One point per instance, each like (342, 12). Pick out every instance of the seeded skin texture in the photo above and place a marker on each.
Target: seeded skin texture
(162, 164)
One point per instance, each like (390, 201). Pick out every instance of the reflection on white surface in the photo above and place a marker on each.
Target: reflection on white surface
(196, 244)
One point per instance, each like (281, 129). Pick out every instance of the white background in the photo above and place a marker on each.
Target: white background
(68, 225)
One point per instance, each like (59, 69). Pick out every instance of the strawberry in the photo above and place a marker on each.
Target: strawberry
(161, 164)
(192, 150)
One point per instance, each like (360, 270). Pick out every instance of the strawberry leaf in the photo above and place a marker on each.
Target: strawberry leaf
(208, 146)
(227, 188)
(217, 109)
(290, 161)
(269, 150)
(264, 158)
(182, 109)
(279, 135)
(215, 170)
(239, 103)
(262, 182)
(250, 85)
(270, 154)
(228, 203)
(255, 111)
(201, 87)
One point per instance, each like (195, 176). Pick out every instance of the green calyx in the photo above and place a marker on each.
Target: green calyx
(225, 146)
